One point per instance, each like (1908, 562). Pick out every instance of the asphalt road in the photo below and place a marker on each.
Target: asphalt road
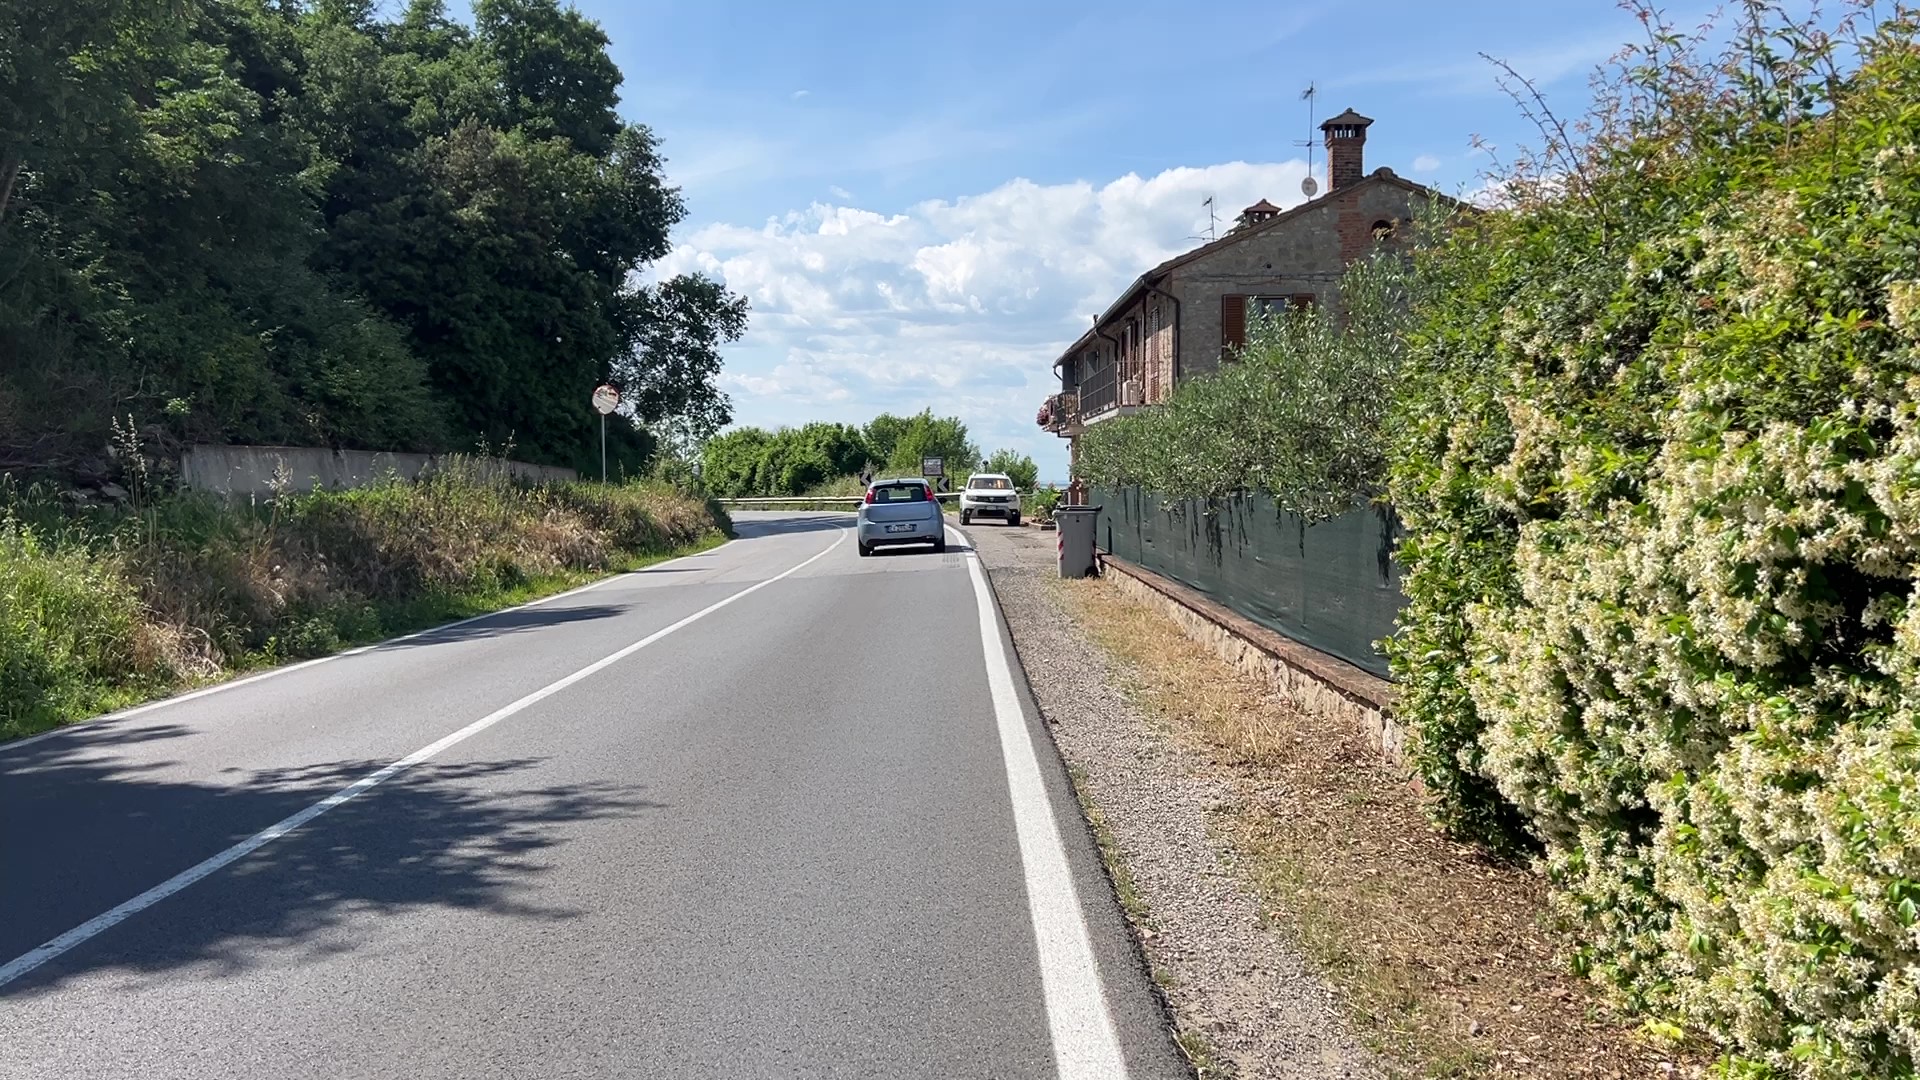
(769, 811)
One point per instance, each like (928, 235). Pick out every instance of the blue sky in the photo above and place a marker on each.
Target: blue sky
(925, 202)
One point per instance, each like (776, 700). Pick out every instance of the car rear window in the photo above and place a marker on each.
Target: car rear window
(994, 483)
(899, 493)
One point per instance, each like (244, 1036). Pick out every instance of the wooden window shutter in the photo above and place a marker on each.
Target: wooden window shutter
(1300, 301)
(1233, 323)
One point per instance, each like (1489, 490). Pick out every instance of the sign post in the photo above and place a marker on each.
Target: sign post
(605, 400)
(933, 469)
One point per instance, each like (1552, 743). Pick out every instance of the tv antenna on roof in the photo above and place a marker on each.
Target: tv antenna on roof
(1213, 222)
(1308, 186)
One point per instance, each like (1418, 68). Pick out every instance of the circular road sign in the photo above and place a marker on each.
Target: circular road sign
(605, 399)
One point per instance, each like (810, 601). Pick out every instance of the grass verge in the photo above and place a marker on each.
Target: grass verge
(104, 609)
(1442, 955)
(425, 612)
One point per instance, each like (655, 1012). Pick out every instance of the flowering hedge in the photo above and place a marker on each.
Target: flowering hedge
(1657, 443)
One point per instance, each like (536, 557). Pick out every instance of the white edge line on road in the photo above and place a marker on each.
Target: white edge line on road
(288, 669)
(1085, 1045)
(26, 962)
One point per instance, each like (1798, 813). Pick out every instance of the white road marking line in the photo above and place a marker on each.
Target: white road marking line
(288, 669)
(26, 962)
(1085, 1045)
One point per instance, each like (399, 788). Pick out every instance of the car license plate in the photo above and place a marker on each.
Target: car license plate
(900, 528)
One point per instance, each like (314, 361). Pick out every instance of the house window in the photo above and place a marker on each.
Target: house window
(1273, 305)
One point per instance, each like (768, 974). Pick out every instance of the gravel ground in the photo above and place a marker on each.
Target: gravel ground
(1242, 988)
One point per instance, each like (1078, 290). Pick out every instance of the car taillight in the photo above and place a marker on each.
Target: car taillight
(869, 495)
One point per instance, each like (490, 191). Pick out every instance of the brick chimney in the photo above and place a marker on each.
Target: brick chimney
(1346, 149)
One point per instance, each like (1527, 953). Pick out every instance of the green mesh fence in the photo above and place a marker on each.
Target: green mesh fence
(1333, 586)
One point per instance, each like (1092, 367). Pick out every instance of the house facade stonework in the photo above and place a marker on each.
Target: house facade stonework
(1183, 317)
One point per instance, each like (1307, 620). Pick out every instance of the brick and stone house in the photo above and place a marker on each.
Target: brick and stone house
(1183, 317)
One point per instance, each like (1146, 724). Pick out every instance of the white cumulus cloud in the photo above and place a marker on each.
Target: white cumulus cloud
(1425, 163)
(960, 305)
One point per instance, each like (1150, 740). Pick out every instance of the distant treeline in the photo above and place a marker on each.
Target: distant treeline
(793, 461)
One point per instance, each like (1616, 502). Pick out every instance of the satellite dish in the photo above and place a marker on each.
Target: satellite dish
(1308, 187)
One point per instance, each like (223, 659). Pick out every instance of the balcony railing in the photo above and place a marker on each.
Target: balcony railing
(1114, 386)
(1100, 391)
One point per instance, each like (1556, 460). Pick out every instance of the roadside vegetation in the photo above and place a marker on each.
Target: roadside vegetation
(339, 225)
(823, 459)
(102, 609)
(1649, 421)
(1042, 503)
(1443, 956)
(346, 224)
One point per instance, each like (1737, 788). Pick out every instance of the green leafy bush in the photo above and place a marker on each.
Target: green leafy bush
(901, 443)
(1657, 445)
(70, 632)
(122, 606)
(1041, 504)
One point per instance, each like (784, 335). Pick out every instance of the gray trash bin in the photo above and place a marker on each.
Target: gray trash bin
(1076, 539)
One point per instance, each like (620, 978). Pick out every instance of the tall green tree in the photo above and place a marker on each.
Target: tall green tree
(67, 72)
(1018, 467)
(670, 357)
(317, 223)
(904, 442)
(157, 242)
(503, 216)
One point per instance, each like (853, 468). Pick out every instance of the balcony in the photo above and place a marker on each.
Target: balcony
(1113, 390)
(1099, 391)
(1061, 414)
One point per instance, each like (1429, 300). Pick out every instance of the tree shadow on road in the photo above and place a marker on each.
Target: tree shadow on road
(501, 624)
(83, 828)
(750, 527)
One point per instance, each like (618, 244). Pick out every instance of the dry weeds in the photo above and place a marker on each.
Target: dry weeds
(1443, 955)
(183, 589)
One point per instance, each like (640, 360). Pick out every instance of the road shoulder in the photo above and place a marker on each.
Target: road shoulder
(1245, 1001)
(1140, 1017)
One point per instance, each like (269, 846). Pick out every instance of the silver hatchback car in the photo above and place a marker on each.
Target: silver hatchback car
(900, 512)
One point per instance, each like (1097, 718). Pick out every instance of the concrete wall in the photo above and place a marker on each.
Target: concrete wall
(252, 471)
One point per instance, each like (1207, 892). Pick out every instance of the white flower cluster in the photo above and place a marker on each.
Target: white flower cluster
(1706, 699)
